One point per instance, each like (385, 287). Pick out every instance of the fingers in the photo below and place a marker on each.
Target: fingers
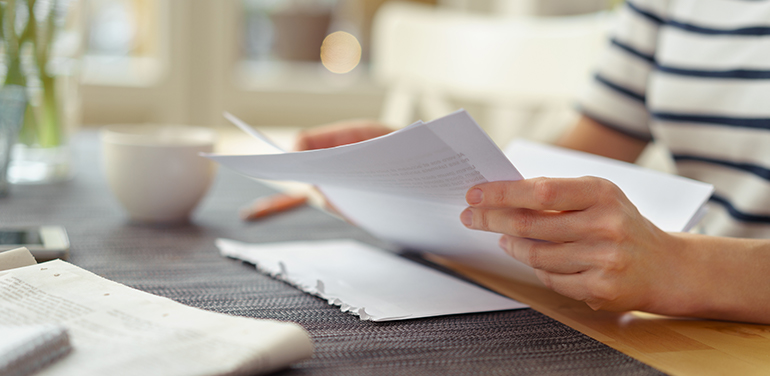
(341, 133)
(525, 223)
(552, 209)
(573, 271)
(569, 285)
(588, 287)
(560, 194)
(596, 241)
(550, 257)
(559, 267)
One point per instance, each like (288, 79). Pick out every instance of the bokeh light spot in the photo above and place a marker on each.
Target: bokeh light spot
(340, 52)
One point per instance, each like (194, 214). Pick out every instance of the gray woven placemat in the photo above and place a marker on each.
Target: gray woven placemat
(183, 264)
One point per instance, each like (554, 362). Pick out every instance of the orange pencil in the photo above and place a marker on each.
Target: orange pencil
(272, 204)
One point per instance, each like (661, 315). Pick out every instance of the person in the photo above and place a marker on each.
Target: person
(694, 75)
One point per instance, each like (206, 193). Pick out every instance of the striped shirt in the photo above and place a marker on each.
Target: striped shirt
(694, 75)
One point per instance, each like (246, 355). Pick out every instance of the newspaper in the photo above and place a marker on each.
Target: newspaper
(118, 330)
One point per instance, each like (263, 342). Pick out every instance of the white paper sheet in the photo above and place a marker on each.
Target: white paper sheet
(435, 161)
(366, 281)
(408, 187)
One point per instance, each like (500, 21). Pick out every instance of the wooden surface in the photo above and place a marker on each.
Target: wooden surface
(678, 346)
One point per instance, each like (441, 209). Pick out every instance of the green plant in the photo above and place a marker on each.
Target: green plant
(616, 3)
(28, 30)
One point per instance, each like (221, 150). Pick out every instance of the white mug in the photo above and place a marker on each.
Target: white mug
(156, 171)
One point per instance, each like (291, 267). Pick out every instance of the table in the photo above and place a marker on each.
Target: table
(183, 264)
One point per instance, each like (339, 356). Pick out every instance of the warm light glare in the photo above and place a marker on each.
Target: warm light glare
(340, 52)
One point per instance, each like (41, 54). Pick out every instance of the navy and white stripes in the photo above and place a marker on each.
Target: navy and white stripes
(695, 76)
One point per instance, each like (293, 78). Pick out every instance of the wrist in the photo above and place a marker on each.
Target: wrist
(718, 278)
(682, 282)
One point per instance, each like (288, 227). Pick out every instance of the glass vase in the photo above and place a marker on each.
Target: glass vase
(13, 101)
(42, 153)
(42, 54)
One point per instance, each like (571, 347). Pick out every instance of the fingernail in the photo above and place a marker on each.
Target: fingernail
(502, 242)
(466, 217)
(474, 196)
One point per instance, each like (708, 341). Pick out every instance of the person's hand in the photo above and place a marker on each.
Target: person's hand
(340, 133)
(585, 240)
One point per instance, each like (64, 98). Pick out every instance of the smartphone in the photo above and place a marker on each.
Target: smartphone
(45, 242)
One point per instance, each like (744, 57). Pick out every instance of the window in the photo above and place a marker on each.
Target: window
(186, 61)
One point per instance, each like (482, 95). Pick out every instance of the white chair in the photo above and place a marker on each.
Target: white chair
(519, 71)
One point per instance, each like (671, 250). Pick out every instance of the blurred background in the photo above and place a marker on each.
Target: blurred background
(187, 61)
(517, 66)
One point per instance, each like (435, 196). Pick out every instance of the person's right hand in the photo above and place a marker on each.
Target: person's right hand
(339, 133)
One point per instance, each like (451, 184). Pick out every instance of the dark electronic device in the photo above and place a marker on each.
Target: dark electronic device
(45, 242)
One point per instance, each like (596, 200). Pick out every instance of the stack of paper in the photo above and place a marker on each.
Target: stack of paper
(409, 187)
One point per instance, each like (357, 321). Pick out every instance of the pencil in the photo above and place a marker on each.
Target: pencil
(265, 206)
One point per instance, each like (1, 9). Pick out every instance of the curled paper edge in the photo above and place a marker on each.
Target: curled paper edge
(283, 275)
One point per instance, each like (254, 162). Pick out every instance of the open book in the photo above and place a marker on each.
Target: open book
(408, 187)
(115, 329)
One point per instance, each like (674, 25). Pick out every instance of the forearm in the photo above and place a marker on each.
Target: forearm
(592, 137)
(718, 278)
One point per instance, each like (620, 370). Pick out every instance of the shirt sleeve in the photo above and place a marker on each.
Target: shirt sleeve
(616, 96)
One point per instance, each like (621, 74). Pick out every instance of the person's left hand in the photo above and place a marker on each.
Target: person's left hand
(584, 239)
